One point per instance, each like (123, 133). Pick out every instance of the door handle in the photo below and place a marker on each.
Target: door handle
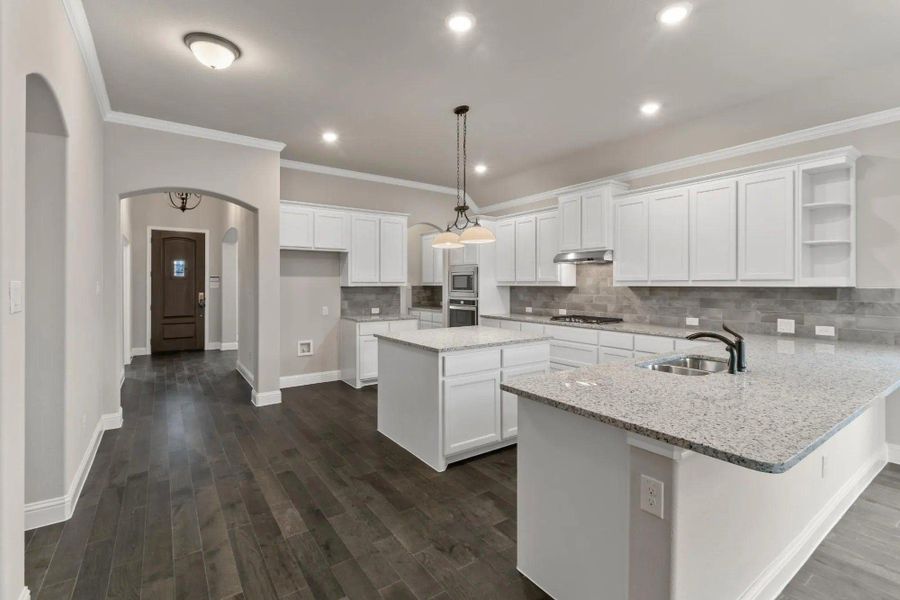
(201, 299)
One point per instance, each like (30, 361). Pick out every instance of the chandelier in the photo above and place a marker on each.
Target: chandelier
(464, 229)
(184, 201)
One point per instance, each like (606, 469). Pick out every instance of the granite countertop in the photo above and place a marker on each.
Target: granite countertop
(460, 338)
(427, 308)
(641, 328)
(370, 318)
(796, 395)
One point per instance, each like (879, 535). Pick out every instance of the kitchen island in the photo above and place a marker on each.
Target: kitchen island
(439, 389)
(641, 484)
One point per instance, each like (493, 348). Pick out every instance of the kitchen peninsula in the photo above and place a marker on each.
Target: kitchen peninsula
(439, 389)
(647, 484)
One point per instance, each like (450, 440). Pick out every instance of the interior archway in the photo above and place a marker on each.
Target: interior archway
(45, 291)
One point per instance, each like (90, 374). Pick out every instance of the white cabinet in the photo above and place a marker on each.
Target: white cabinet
(766, 225)
(331, 230)
(467, 255)
(547, 228)
(368, 357)
(509, 407)
(358, 348)
(570, 222)
(472, 411)
(714, 231)
(506, 250)
(296, 226)
(392, 250)
(669, 235)
(364, 254)
(428, 253)
(596, 217)
(631, 260)
(526, 253)
(378, 250)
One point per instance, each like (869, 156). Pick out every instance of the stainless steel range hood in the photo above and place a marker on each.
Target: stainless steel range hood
(590, 257)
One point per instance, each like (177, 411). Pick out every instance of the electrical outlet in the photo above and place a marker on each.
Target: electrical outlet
(15, 297)
(324, 311)
(652, 496)
(562, 311)
(305, 348)
(376, 311)
(785, 326)
(528, 309)
(825, 330)
(693, 321)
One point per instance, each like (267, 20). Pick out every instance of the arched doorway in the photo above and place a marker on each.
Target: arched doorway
(45, 325)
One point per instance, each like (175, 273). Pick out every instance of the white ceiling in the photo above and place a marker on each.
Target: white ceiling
(543, 78)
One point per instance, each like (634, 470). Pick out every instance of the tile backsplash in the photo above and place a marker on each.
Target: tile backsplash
(870, 315)
(427, 295)
(356, 301)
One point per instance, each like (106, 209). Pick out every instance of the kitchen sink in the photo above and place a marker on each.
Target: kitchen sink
(688, 365)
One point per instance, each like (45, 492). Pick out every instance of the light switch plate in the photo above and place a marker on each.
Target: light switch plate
(375, 310)
(324, 311)
(825, 330)
(694, 321)
(15, 297)
(652, 496)
(562, 311)
(305, 348)
(785, 326)
(528, 309)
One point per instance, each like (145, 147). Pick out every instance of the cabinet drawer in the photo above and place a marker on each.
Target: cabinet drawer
(374, 327)
(615, 339)
(555, 366)
(436, 317)
(521, 355)
(652, 343)
(514, 325)
(573, 352)
(471, 362)
(572, 334)
(490, 323)
(614, 354)
(532, 328)
(639, 354)
(404, 325)
(415, 314)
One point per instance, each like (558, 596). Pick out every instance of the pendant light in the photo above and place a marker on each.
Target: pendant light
(184, 201)
(464, 229)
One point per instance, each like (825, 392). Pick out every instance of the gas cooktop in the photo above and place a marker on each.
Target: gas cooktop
(585, 319)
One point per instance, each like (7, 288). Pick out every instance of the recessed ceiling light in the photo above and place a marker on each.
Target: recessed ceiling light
(211, 50)
(460, 22)
(650, 108)
(330, 137)
(674, 13)
(481, 168)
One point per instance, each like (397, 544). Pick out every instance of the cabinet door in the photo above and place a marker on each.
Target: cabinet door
(714, 231)
(766, 225)
(470, 254)
(296, 226)
(368, 357)
(506, 250)
(364, 249)
(439, 266)
(471, 411)
(329, 230)
(428, 254)
(526, 255)
(509, 403)
(392, 263)
(570, 228)
(595, 219)
(631, 261)
(669, 235)
(457, 256)
(547, 246)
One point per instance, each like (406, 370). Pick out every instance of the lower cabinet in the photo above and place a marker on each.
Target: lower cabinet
(358, 348)
(368, 357)
(471, 411)
(509, 403)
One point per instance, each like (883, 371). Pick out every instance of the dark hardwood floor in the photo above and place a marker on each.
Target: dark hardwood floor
(201, 495)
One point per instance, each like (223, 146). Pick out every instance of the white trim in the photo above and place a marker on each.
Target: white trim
(348, 174)
(213, 345)
(228, 346)
(56, 510)
(216, 135)
(246, 373)
(139, 352)
(205, 232)
(875, 119)
(265, 398)
(780, 571)
(289, 381)
(657, 447)
(82, 29)
(368, 211)
(893, 453)
(26, 594)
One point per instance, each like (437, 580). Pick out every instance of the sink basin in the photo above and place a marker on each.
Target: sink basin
(688, 365)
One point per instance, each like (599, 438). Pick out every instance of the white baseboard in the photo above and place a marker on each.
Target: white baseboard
(779, 573)
(245, 373)
(25, 595)
(289, 381)
(213, 345)
(893, 453)
(265, 398)
(140, 352)
(56, 510)
(229, 346)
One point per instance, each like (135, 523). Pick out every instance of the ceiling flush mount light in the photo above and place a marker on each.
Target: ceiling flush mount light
(211, 50)
(184, 201)
(460, 22)
(674, 14)
(650, 108)
(464, 229)
(481, 168)
(329, 137)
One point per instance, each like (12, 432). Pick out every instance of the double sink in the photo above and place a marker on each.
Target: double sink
(690, 365)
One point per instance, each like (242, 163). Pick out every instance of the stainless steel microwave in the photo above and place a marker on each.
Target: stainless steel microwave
(463, 281)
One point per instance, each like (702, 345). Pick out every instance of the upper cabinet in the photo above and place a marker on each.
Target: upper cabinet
(392, 250)
(467, 255)
(297, 226)
(330, 230)
(586, 218)
(792, 224)
(364, 260)
(311, 227)
(432, 261)
(526, 246)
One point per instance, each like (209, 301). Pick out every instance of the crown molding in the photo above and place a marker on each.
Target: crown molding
(884, 117)
(81, 28)
(348, 174)
(121, 118)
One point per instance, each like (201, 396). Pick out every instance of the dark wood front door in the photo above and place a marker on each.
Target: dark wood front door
(177, 273)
